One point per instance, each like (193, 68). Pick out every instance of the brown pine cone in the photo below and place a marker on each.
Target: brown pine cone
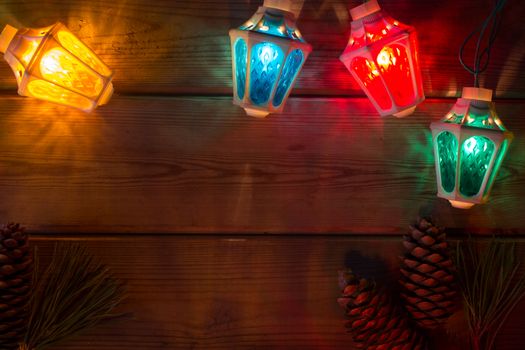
(374, 321)
(16, 265)
(427, 275)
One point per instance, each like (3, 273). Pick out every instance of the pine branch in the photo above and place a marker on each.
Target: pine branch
(75, 293)
(491, 287)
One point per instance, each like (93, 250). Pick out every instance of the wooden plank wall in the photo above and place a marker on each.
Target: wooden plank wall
(231, 292)
(230, 230)
(198, 164)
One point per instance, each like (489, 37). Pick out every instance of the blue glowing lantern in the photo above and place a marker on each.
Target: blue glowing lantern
(470, 144)
(268, 53)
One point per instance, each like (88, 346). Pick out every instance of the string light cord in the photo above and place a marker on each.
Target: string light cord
(482, 57)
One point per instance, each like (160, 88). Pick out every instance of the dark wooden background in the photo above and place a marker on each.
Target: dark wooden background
(230, 230)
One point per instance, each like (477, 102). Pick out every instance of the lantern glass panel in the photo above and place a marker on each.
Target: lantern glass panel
(50, 92)
(376, 29)
(476, 154)
(273, 23)
(453, 118)
(241, 58)
(368, 73)
(26, 49)
(497, 165)
(482, 116)
(447, 146)
(290, 70)
(273, 26)
(266, 62)
(26, 43)
(394, 66)
(62, 68)
(72, 44)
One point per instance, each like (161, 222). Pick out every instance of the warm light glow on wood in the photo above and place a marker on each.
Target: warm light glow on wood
(52, 64)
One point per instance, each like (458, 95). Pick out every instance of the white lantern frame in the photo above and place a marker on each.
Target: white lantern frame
(498, 135)
(401, 34)
(286, 45)
(24, 48)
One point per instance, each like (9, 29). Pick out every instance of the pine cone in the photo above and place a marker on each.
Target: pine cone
(16, 264)
(374, 321)
(427, 275)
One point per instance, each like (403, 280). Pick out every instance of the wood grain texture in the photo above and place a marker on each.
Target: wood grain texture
(182, 46)
(242, 292)
(197, 165)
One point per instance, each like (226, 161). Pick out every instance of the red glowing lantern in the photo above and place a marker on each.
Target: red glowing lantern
(382, 56)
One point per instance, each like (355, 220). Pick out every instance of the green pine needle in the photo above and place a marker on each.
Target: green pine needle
(75, 293)
(491, 287)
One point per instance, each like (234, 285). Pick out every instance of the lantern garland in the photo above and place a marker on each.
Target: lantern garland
(268, 52)
(52, 64)
(470, 143)
(382, 56)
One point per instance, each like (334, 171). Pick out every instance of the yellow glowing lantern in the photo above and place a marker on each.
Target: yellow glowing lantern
(52, 64)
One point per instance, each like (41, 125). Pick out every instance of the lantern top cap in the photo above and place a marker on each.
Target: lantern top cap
(285, 5)
(6, 37)
(480, 94)
(364, 10)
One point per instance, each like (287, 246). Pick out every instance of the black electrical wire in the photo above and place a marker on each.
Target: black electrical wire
(482, 58)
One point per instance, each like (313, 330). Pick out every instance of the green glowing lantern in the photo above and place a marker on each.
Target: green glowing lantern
(470, 144)
(268, 52)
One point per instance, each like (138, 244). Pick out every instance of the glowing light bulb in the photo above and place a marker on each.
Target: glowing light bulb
(267, 55)
(52, 64)
(385, 57)
(470, 145)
